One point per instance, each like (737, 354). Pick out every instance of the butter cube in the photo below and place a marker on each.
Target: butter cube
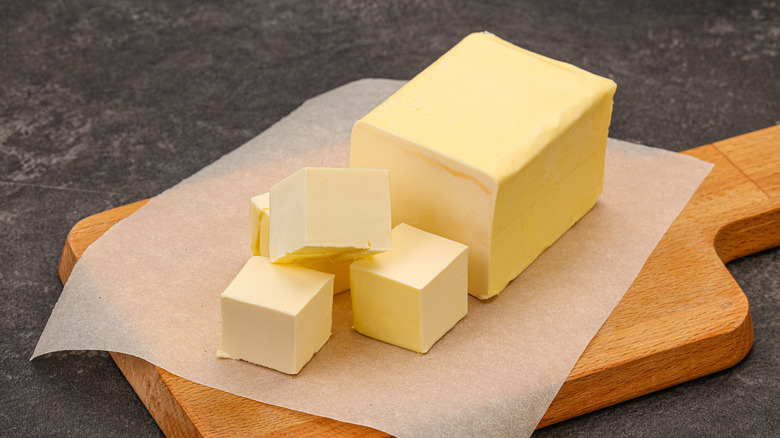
(330, 213)
(259, 219)
(492, 146)
(258, 225)
(276, 316)
(413, 294)
(339, 269)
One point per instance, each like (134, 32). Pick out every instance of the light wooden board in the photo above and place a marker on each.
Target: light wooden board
(683, 317)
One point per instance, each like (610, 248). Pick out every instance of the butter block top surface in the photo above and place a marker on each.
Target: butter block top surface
(416, 258)
(285, 288)
(490, 104)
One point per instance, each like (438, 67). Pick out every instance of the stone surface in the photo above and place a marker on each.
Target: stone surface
(105, 103)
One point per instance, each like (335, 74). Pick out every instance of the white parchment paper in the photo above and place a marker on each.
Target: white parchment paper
(150, 287)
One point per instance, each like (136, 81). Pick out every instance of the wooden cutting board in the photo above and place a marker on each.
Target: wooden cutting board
(683, 317)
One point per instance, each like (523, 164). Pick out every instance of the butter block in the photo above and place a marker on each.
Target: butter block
(495, 147)
(276, 316)
(332, 213)
(259, 220)
(413, 294)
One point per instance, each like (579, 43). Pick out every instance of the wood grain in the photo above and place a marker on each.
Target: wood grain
(683, 317)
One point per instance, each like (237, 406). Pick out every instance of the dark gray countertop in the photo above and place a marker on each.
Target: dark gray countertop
(106, 103)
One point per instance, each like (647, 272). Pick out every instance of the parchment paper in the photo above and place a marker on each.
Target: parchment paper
(150, 287)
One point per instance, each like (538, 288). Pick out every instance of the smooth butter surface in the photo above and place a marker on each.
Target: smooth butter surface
(492, 146)
(331, 213)
(259, 224)
(277, 316)
(413, 294)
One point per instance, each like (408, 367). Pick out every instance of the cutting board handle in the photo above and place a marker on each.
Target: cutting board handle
(684, 316)
(749, 218)
(748, 236)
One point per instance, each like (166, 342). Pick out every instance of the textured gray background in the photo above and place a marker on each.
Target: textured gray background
(105, 103)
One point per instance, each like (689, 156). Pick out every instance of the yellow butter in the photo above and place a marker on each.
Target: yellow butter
(276, 316)
(339, 269)
(413, 294)
(339, 214)
(258, 225)
(492, 146)
(259, 220)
